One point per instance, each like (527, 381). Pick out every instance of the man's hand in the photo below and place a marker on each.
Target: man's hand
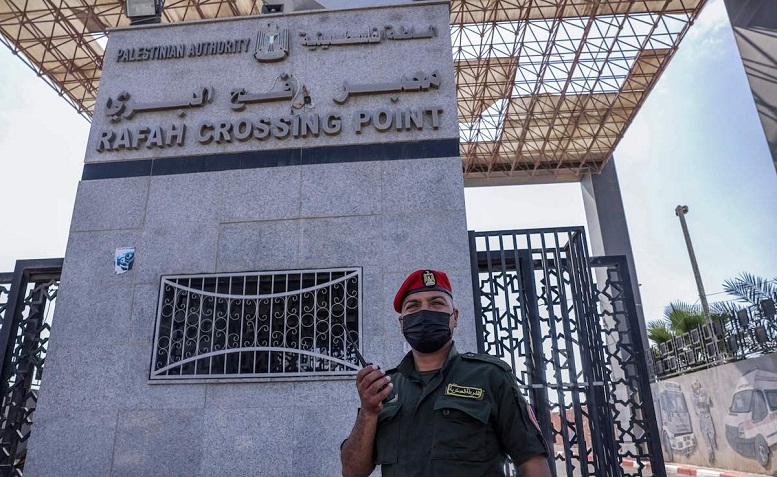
(537, 466)
(373, 386)
(356, 453)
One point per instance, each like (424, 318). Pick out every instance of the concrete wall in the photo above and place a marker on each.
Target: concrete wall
(697, 416)
(98, 414)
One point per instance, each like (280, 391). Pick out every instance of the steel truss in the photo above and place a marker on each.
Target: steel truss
(546, 88)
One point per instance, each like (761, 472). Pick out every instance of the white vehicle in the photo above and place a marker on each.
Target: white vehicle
(676, 431)
(751, 424)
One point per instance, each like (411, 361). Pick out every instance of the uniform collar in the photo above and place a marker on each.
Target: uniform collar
(407, 365)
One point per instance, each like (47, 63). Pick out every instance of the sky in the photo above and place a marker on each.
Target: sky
(697, 141)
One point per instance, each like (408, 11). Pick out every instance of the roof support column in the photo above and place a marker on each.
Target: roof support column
(607, 229)
(755, 29)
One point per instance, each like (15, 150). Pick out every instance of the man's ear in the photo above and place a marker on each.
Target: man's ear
(455, 317)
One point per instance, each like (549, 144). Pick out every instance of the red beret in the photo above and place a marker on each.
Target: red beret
(420, 281)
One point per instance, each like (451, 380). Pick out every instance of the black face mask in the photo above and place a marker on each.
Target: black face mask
(427, 331)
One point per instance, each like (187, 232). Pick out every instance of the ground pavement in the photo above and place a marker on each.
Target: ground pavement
(672, 470)
(679, 470)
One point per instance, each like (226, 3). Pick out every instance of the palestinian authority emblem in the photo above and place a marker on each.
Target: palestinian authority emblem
(429, 279)
(272, 43)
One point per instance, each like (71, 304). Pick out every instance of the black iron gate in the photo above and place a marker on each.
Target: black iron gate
(27, 299)
(574, 344)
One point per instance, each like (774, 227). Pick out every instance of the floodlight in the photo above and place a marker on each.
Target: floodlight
(272, 8)
(690, 356)
(144, 11)
(659, 367)
(768, 307)
(733, 345)
(679, 342)
(760, 334)
(717, 328)
(289, 6)
(743, 317)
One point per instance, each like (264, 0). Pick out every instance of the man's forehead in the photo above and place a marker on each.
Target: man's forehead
(427, 295)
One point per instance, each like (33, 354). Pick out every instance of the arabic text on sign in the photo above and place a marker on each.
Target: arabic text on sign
(117, 107)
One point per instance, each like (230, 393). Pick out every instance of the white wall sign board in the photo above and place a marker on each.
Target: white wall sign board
(275, 82)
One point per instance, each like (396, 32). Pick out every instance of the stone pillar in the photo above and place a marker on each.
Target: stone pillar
(277, 143)
(755, 30)
(607, 229)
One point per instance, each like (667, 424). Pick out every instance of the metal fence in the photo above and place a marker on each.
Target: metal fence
(748, 333)
(574, 344)
(27, 301)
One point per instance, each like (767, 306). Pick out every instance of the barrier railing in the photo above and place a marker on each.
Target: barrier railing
(748, 333)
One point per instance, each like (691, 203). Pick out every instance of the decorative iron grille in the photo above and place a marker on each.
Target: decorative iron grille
(258, 325)
(626, 366)
(575, 349)
(27, 302)
(749, 332)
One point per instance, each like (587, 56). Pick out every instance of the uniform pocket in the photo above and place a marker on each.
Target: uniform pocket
(460, 429)
(387, 437)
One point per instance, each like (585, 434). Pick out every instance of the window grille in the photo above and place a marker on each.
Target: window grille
(256, 325)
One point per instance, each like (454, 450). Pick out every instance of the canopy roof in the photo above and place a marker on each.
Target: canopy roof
(546, 88)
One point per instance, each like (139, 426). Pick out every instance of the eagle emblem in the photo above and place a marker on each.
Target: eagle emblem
(429, 278)
(272, 43)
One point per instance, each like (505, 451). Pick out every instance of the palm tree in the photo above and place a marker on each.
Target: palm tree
(679, 317)
(658, 332)
(683, 317)
(751, 289)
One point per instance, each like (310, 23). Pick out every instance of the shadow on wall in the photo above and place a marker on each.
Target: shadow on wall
(737, 401)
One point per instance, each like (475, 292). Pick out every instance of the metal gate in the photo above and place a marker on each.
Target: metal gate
(27, 298)
(574, 345)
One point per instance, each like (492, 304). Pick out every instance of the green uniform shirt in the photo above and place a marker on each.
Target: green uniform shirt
(462, 423)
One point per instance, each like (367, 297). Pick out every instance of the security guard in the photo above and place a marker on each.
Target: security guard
(453, 415)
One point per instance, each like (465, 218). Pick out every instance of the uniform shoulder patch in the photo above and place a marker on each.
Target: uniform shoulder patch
(487, 358)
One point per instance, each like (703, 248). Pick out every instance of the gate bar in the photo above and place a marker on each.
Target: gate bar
(473, 262)
(24, 272)
(643, 378)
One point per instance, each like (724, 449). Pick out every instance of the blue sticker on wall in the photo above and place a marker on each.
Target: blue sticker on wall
(125, 258)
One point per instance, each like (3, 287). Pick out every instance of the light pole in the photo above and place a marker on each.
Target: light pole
(680, 211)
